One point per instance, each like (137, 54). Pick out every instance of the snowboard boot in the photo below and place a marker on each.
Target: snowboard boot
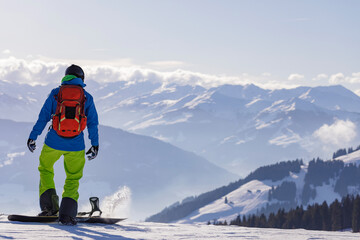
(67, 220)
(68, 211)
(49, 203)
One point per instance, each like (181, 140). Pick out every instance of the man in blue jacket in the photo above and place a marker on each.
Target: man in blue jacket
(72, 148)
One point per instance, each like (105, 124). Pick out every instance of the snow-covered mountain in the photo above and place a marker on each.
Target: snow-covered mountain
(236, 127)
(156, 173)
(228, 125)
(284, 185)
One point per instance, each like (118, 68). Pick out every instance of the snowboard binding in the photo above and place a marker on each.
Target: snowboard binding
(94, 202)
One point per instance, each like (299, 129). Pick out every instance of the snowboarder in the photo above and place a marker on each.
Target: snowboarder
(71, 109)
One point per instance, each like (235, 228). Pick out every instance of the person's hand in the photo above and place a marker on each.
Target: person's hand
(92, 152)
(31, 145)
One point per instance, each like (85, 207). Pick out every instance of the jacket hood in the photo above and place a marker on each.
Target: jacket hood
(72, 80)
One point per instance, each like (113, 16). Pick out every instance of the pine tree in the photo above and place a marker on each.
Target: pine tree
(290, 220)
(336, 216)
(316, 221)
(299, 212)
(244, 222)
(280, 217)
(262, 221)
(347, 208)
(252, 220)
(237, 221)
(306, 219)
(272, 221)
(356, 215)
(325, 216)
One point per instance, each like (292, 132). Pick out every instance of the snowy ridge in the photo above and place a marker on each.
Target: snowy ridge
(253, 197)
(352, 158)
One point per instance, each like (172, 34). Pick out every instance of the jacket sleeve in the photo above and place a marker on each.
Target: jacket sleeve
(92, 121)
(44, 117)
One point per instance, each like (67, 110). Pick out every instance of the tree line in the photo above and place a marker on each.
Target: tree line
(344, 214)
(343, 151)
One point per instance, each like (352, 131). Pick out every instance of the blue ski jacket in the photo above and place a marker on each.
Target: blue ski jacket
(57, 142)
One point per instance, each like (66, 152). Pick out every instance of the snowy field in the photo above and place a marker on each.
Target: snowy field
(154, 231)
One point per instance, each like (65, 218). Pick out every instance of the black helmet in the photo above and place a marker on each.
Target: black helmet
(76, 71)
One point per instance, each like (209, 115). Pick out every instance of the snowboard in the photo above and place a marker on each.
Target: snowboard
(48, 219)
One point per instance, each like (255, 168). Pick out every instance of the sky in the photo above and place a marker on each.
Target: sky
(280, 43)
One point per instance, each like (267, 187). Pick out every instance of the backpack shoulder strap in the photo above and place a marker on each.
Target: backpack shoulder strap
(56, 95)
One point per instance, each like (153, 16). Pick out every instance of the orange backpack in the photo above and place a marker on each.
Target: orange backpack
(69, 119)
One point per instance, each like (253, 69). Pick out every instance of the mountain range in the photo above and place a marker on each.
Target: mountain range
(239, 128)
(171, 131)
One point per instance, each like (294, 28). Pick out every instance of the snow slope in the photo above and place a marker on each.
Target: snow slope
(353, 158)
(155, 231)
(245, 199)
(254, 195)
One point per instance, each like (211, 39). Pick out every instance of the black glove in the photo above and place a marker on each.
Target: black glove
(92, 153)
(31, 145)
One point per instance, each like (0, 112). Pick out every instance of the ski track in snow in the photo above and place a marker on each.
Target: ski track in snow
(156, 231)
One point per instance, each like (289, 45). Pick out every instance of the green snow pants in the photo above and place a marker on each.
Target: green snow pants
(73, 163)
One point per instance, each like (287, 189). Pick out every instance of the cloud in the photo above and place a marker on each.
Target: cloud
(355, 78)
(295, 77)
(30, 72)
(337, 78)
(320, 77)
(10, 158)
(42, 70)
(339, 134)
(35, 71)
(6, 51)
